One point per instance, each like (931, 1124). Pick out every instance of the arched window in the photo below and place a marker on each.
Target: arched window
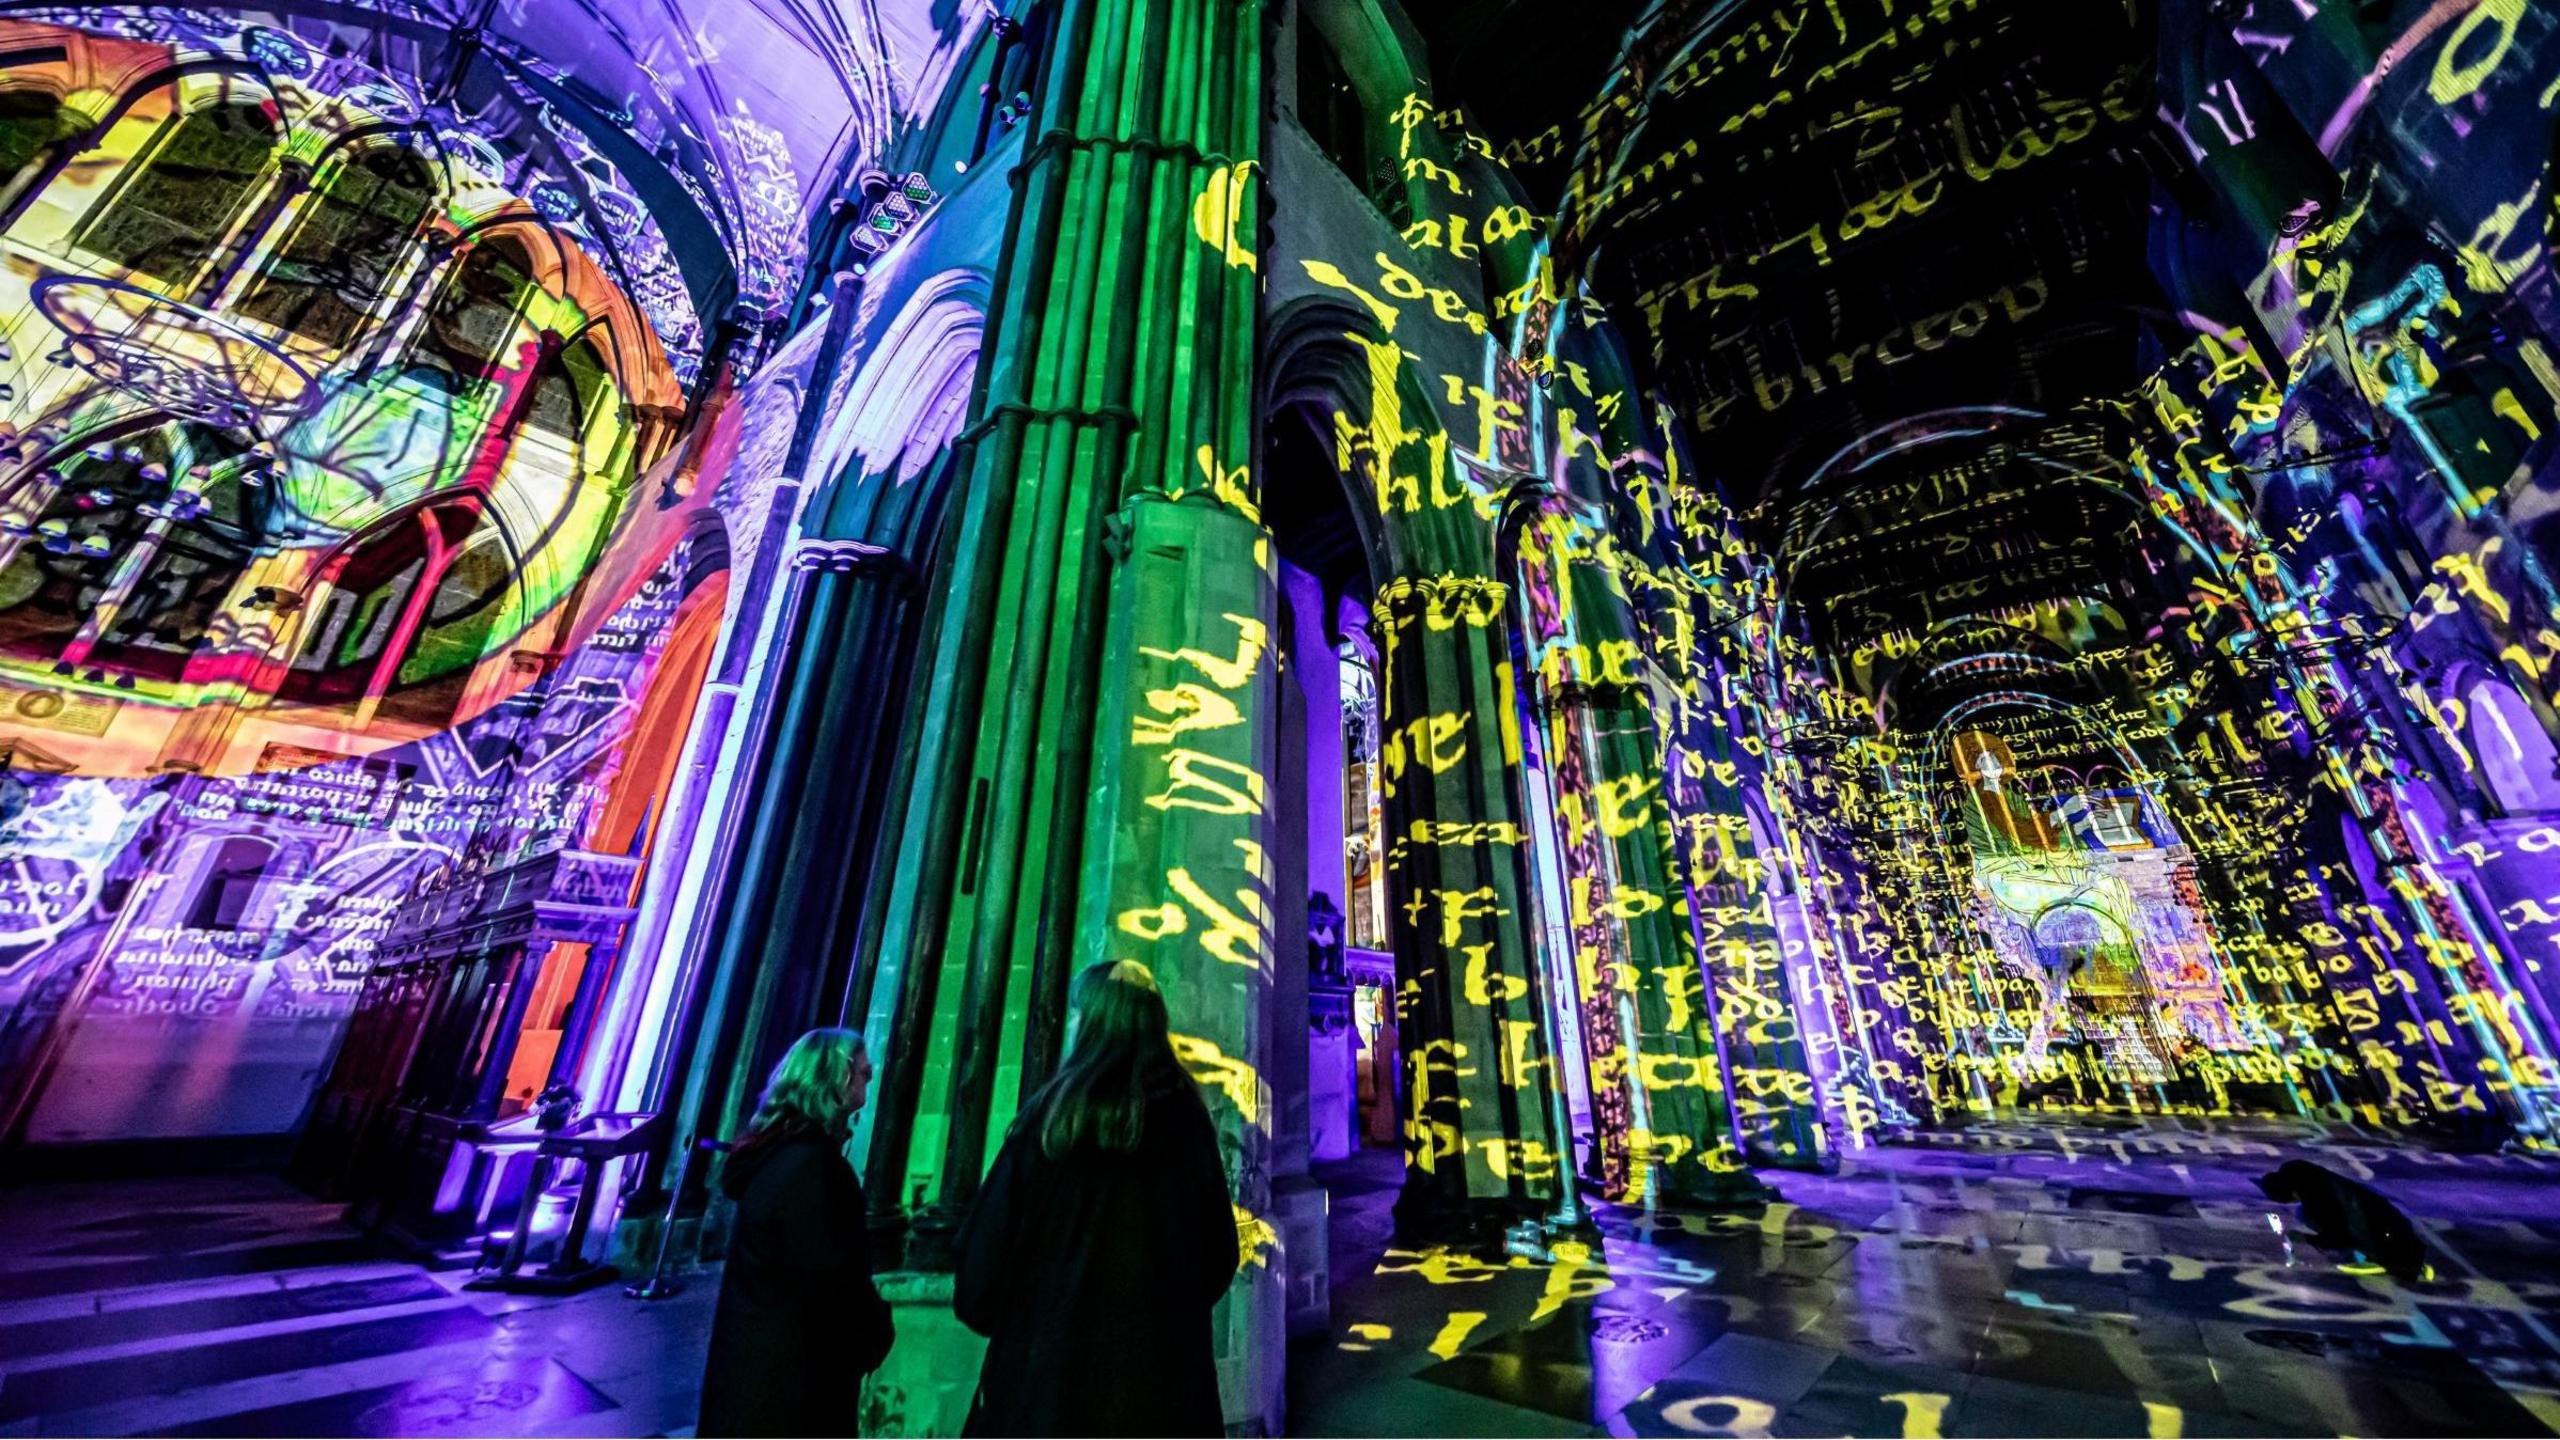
(30, 121)
(2519, 767)
(474, 327)
(193, 566)
(331, 270)
(170, 496)
(1364, 857)
(173, 210)
(573, 391)
(567, 388)
(58, 572)
(407, 616)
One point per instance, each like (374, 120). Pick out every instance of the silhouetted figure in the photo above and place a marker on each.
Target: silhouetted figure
(2350, 1218)
(1102, 1237)
(800, 1322)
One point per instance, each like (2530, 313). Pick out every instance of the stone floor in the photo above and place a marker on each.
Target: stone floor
(239, 1306)
(1999, 1281)
(1991, 1282)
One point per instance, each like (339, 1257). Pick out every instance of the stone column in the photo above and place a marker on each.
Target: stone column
(1088, 762)
(784, 906)
(1178, 860)
(1479, 1132)
(1308, 779)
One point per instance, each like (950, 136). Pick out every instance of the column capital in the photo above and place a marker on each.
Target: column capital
(1441, 600)
(839, 557)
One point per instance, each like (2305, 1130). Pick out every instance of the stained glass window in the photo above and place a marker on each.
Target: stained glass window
(475, 325)
(29, 121)
(166, 220)
(331, 271)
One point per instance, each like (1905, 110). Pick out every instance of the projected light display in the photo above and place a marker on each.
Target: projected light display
(314, 420)
(1890, 563)
(2036, 851)
(323, 580)
(1616, 605)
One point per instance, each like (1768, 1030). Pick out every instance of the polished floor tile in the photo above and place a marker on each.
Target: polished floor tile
(507, 1396)
(2024, 1280)
(238, 1306)
(1998, 1281)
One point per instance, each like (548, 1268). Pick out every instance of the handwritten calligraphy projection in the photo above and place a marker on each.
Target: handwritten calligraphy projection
(1628, 924)
(1934, 145)
(1882, 1046)
(1620, 901)
(1478, 1120)
(1180, 872)
(1798, 1014)
(1782, 64)
(1736, 369)
(1555, 732)
(2389, 972)
(1478, 1115)
(1863, 984)
(1686, 705)
(2182, 915)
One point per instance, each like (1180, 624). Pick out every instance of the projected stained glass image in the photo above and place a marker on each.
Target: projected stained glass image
(1279, 717)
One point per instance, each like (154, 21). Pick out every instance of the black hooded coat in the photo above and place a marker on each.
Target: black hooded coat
(800, 1322)
(1092, 1277)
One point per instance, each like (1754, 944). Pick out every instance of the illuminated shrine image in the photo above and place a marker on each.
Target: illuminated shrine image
(1784, 717)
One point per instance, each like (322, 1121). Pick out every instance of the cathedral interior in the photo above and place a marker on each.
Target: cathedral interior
(1782, 690)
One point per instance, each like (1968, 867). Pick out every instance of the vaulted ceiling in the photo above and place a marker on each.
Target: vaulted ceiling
(730, 121)
(1886, 256)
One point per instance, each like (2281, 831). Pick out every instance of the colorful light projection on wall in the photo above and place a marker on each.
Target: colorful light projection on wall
(2101, 971)
(1583, 947)
(333, 576)
(313, 426)
(2226, 884)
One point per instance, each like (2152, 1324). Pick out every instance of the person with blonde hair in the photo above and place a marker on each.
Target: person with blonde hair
(1103, 1236)
(799, 1322)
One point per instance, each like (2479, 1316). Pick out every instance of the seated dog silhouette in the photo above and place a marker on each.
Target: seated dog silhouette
(2348, 1217)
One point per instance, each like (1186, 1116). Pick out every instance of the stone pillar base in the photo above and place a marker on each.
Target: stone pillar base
(1253, 1354)
(1301, 1211)
(925, 1386)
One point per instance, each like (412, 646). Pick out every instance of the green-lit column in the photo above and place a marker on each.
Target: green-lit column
(1118, 358)
(1710, 1005)
(1478, 1126)
(1178, 870)
(1085, 767)
(1769, 1080)
(1644, 986)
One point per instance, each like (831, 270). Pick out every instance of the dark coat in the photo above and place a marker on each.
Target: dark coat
(800, 1322)
(1093, 1276)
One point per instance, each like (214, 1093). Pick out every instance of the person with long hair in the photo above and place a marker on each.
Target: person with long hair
(1103, 1236)
(799, 1322)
